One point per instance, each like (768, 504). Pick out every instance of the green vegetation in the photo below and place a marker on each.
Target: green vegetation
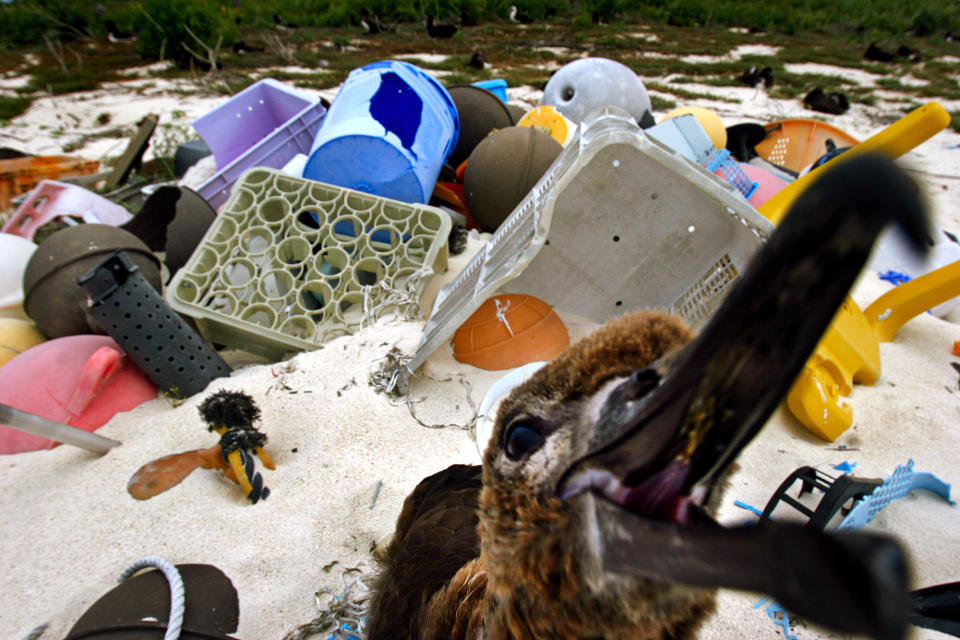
(70, 52)
(12, 107)
(24, 22)
(182, 30)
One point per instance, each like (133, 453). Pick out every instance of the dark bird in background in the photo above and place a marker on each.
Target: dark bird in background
(877, 54)
(599, 19)
(591, 516)
(441, 31)
(755, 76)
(477, 61)
(114, 34)
(517, 16)
(909, 53)
(371, 23)
(283, 24)
(240, 47)
(834, 102)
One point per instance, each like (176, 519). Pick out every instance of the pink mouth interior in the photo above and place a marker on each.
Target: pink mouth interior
(659, 496)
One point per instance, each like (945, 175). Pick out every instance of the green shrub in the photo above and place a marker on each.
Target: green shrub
(12, 107)
(27, 21)
(925, 23)
(164, 26)
(51, 79)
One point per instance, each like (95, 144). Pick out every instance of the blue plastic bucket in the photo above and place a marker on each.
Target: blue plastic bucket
(497, 86)
(388, 132)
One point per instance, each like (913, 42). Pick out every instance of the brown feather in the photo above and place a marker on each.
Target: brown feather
(436, 536)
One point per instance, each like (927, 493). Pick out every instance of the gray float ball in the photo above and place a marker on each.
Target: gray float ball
(585, 85)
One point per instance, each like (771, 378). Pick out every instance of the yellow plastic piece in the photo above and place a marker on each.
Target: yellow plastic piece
(546, 117)
(236, 464)
(708, 119)
(849, 350)
(914, 128)
(265, 458)
(891, 310)
(16, 336)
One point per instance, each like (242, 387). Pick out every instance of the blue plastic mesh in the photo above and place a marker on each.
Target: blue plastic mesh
(901, 482)
(728, 169)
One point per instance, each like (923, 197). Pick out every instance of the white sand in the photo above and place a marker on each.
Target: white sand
(69, 527)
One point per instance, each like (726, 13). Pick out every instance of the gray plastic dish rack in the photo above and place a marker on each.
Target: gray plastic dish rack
(290, 264)
(619, 222)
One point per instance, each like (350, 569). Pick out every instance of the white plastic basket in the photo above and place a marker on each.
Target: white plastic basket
(619, 222)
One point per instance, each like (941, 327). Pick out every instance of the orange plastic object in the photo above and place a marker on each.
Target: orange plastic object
(79, 380)
(452, 195)
(19, 175)
(508, 331)
(903, 135)
(164, 473)
(796, 144)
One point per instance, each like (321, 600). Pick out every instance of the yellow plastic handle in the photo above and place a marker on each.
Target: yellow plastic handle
(903, 135)
(891, 310)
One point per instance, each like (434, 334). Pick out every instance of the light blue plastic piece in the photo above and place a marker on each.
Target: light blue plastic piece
(780, 618)
(724, 165)
(750, 508)
(845, 466)
(497, 86)
(686, 136)
(388, 132)
(901, 482)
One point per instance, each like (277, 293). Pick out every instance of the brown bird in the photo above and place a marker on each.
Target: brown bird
(591, 514)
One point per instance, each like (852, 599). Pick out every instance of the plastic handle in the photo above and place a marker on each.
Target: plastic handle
(46, 428)
(903, 135)
(99, 368)
(891, 310)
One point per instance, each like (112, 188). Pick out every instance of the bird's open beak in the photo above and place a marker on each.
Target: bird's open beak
(666, 435)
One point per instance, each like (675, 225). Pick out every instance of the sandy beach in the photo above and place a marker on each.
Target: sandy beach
(347, 456)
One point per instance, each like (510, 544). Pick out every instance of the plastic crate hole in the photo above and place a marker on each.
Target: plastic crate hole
(308, 221)
(276, 283)
(314, 296)
(256, 240)
(274, 209)
(293, 251)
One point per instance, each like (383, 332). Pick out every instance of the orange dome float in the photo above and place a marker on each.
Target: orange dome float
(508, 331)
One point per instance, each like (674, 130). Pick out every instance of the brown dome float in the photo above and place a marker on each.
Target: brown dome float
(516, 112)
(51, 296)
(174, 220)
(502, 170)
(480, 112)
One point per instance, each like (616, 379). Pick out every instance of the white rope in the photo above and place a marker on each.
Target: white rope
(177, 592)
(502, 309)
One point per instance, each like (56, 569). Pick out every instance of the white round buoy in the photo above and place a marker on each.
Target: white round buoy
(585, 85)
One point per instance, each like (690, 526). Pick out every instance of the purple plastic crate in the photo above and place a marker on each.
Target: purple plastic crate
(237, 125)
(264, 125)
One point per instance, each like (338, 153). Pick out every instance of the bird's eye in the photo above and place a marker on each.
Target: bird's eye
(521, 440)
